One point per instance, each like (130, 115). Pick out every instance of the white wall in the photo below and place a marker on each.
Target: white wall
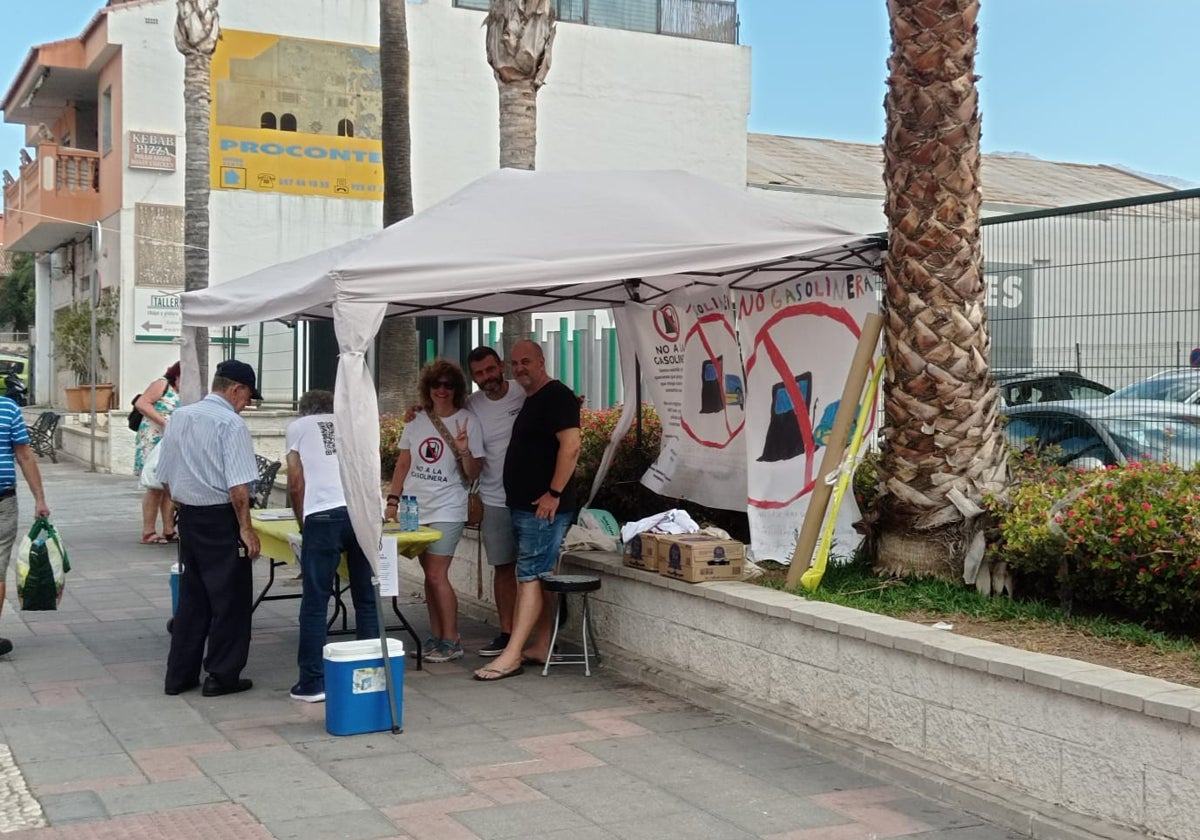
(614, 99)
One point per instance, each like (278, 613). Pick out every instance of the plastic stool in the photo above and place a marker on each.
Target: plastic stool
(563, 585)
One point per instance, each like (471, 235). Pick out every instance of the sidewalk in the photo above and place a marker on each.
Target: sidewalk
(98, 751)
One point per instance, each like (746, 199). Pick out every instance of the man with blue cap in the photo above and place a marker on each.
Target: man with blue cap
(207, 465)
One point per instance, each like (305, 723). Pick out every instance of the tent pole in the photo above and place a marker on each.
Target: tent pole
(637, 396)
(387, 659)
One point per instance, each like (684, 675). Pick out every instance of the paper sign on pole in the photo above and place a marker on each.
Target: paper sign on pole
(389, 568)
(797, 341)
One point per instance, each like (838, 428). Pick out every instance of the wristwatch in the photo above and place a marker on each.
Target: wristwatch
(554, 493)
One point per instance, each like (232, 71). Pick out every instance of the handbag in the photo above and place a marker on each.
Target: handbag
(474, 500)
(135, 416)
(149, 480)
(42, 566)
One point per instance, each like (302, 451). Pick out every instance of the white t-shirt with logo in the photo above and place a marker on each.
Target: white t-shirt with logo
(312, 438)
(434, 477)
(496, 417)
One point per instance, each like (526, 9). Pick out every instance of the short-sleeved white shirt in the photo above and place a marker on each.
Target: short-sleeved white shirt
(435, 477)
(312, 438)
(496, 417)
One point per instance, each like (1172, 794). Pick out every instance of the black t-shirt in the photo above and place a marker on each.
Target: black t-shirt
(533, 450)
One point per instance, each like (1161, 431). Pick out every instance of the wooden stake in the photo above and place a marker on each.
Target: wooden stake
(818, 501)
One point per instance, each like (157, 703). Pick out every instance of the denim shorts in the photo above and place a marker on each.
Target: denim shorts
(538, 542)
(451, 531)
(499, 541)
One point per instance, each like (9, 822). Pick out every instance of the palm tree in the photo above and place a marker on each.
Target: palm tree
(398, 351)
(520, 34)
(197, 30)
(943, 446)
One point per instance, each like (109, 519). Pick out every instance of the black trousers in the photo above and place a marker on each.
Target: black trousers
(216, 590)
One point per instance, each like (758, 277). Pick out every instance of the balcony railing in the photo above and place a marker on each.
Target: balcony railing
(706, 20)
(60, 187)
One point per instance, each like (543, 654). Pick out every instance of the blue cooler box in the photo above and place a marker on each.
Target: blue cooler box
(356, 698)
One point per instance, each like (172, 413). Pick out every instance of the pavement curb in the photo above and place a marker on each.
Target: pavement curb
(18, 807)
(996, 803)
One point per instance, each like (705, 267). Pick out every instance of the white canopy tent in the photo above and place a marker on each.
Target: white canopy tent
(518, 241)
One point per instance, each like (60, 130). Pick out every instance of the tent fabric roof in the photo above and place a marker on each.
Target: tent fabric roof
(517, 241)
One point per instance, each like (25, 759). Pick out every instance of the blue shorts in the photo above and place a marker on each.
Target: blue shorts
(538, 542)
(451, 531)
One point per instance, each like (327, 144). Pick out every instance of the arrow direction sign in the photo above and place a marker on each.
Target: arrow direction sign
(157, 315)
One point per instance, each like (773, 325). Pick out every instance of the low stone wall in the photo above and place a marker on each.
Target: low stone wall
(1021, 727)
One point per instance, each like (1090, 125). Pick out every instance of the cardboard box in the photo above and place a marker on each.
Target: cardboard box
(698, 557)
(641, 552)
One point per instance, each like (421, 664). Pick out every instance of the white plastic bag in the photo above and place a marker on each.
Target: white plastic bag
(150, 470)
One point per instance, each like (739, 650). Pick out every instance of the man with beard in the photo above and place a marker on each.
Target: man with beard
(496, 404)
(538, 487)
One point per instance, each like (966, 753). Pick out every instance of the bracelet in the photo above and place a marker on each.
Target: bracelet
(392, 504)
(393, 498)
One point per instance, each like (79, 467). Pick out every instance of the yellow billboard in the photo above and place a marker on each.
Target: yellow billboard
(291, 115)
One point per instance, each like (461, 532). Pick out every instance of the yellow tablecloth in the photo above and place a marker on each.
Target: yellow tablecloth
(273, 536)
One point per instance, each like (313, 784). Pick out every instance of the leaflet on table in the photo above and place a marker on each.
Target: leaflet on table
(389, 568)
(273, 515)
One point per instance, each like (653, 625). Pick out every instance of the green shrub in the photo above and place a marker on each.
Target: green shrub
(390, 427)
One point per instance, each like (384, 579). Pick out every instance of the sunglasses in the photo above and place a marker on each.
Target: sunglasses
(442, 383)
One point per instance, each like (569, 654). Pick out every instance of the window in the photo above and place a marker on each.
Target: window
(345, 128)
(106, 127)
(287, 122)
(267, 120)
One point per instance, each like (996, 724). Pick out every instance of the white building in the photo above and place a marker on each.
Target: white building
(295, 148)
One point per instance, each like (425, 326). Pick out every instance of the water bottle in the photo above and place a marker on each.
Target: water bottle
(414, 520)
(407, 515)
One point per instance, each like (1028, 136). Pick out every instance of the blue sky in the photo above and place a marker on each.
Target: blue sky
(1090, 81)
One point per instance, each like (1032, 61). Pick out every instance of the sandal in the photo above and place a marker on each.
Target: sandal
(172, 537)
(153, 538)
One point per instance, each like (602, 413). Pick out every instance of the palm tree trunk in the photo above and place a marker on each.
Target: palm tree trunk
(943, 448)
(197, 29)
(520, 35)
(399, 358)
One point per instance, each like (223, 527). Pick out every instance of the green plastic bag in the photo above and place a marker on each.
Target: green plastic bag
(42, 567)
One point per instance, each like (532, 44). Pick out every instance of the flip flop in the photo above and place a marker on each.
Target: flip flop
(500, 673)
(153, 538)
(172, 537)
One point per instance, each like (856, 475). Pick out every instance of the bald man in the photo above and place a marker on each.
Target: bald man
(538, 486)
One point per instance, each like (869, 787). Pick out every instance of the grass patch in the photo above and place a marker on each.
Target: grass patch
(854, 585)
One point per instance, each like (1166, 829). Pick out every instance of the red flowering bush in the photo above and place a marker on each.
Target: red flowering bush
(1125, 539)
(622, 493)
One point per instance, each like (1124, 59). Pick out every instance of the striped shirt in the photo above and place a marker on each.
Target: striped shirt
(206, 449)
(12, 432)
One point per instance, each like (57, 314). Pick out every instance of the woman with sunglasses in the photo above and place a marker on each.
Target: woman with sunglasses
(440, 453)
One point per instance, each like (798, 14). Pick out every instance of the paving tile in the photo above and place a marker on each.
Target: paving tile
(689, 825)
(345, 825)
(678, 721)
(592, 791)
(278, 804)
(501, 821)
(395, 779)
(822, 777)
(745, 746)
(72, 807)
(774, 815)
(933, 814)
(162, 796)
(61, 770)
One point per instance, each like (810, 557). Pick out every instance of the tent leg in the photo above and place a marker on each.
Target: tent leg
(637, 397)
(387, 660)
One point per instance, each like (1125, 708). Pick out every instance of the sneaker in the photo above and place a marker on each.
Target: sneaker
(430, 646)
(312, 691)
(5, 647)
(447, 651)
(496, 647)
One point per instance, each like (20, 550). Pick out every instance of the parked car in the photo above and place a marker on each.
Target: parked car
(15, 364)
(1181, 386)
(1109, 431)
(1023, 387)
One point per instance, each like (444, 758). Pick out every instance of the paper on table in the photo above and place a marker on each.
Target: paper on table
(273, 515)
(389, 572)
